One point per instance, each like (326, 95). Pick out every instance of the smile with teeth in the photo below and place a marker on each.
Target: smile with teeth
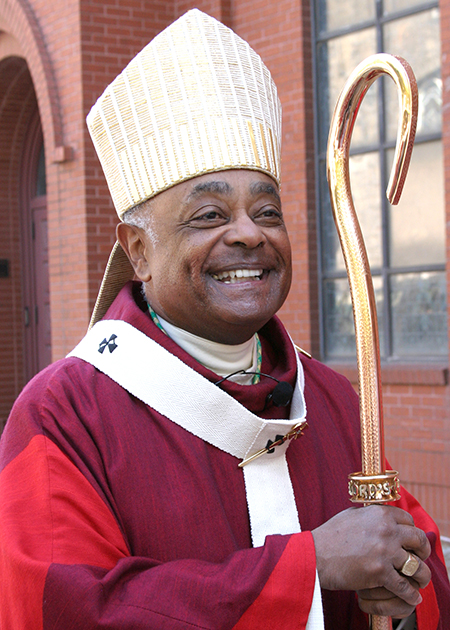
(238, 275)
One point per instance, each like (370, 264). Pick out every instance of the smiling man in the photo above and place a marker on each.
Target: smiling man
(186, 466)
(216, 260)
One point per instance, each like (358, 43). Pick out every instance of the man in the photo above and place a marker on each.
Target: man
(152, 479)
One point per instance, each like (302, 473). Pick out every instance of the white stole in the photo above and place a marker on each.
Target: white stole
(162, 381)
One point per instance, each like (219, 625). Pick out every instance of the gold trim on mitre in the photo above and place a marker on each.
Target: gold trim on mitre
(196, 99)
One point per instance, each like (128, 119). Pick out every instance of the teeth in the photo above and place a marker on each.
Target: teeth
(232, 276)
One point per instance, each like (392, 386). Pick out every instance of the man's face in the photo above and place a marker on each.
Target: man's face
(218, 255)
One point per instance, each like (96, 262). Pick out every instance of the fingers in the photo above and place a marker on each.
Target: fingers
(379, 601)
(407, 588)
(421, 576)
(378, 593)
(414, 540)
(401, 601)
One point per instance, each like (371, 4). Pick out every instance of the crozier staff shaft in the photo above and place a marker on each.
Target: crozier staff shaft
(373, 484)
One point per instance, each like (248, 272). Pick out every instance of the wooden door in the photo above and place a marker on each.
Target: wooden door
(36, 292)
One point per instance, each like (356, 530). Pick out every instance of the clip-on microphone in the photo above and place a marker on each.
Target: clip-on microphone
(281, 395)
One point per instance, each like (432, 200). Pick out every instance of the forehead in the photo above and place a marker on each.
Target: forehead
(232, 184)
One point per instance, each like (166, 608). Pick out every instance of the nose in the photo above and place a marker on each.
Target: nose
(244, 232)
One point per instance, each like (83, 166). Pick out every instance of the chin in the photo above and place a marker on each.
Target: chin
(238, 329)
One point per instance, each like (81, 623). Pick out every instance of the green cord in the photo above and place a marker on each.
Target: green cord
(256, 377)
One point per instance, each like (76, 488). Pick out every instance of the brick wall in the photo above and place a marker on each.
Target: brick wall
(418, 441)
(112, 34)
(417, 432)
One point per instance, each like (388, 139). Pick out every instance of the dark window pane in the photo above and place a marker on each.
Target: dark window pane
(41, 185)
(400, 38)
(333, 15)
(339, 325)
(417, 223)
(365, 186)
(419, 315)
(392, 6)
(332, 259)
(337, 58)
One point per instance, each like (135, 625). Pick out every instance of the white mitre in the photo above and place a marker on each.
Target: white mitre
(197, 99)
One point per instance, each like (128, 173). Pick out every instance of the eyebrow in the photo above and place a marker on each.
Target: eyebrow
(223, 188)
(263, 187)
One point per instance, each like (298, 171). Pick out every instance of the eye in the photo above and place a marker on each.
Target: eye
(211, 215)
(269, 215)
(207, 217)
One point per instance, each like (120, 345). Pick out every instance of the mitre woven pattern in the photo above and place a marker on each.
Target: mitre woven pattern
(196, 99)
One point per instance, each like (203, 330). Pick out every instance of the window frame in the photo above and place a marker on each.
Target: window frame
(386, 270)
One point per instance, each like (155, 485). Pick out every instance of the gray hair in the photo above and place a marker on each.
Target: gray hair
(141, 216)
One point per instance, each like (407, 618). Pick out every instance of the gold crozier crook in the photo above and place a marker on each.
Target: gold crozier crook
(373, 484)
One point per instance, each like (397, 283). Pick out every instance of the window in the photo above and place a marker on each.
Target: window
(405, 243)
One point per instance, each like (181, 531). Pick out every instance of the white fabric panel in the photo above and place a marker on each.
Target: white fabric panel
(154, 375)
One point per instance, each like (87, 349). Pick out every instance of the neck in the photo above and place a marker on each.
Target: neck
(222, 359)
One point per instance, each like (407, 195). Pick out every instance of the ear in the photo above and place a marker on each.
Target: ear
(132, 240)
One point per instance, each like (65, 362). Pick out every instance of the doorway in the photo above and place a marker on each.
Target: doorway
(36, 288)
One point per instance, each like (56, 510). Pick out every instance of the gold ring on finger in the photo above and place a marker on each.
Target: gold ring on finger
(410, 565)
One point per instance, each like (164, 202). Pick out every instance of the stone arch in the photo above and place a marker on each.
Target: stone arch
(21, 36)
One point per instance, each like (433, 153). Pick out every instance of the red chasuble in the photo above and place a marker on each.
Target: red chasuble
(114, 517)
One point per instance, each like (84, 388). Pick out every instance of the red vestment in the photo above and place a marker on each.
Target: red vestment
(114, 517)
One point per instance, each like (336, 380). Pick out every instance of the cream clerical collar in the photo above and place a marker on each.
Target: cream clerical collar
(217, 357)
